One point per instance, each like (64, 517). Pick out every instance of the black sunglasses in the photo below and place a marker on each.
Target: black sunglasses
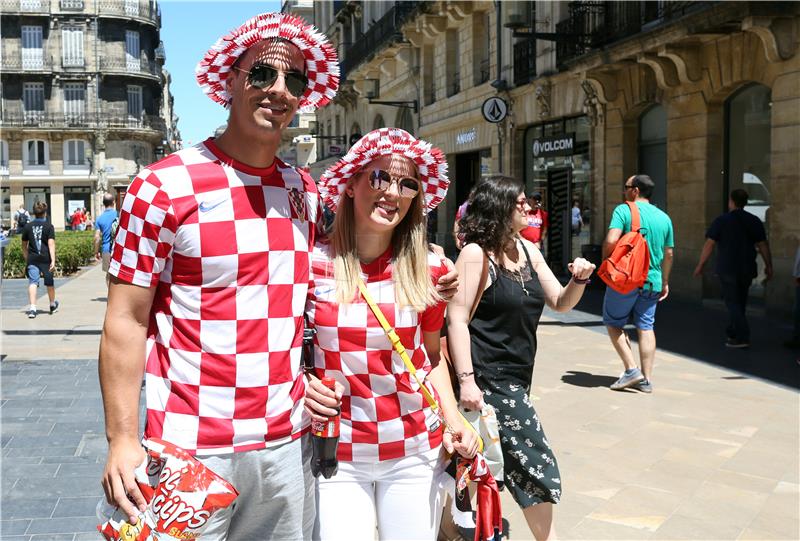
(381, 180)
(263, 76)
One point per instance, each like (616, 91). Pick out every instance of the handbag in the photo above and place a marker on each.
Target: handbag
(401, 351)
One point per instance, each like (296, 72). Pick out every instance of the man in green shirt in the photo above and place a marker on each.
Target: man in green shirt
(639, 304)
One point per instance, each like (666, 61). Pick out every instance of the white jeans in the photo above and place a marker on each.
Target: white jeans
(401, 495)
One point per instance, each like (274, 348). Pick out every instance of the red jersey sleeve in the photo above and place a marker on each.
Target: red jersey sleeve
(432, 319)
(146, 233)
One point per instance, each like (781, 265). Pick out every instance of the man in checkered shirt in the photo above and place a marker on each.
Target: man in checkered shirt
(209, 279)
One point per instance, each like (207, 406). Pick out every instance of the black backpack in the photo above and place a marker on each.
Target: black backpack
(22, 219)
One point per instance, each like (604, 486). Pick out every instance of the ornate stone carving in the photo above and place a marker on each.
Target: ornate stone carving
(592, 106)
(543, 92)
(100, 140)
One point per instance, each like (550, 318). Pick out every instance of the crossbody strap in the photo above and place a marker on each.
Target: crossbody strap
(401, 350)
(396, 344)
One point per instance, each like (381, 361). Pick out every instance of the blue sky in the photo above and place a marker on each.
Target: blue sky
(188, 29)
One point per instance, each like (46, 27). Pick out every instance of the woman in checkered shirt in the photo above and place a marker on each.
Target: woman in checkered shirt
(391, 440)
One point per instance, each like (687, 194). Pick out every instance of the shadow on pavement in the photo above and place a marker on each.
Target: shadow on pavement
(100, 299)
(696, 331)
(585, 379)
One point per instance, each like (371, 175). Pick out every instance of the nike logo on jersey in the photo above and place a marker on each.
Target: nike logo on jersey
(205, 206)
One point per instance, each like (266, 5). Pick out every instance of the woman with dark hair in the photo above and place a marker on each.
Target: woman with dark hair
(493, 354)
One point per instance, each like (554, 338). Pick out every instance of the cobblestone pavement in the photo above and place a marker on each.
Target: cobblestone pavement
(711, 454)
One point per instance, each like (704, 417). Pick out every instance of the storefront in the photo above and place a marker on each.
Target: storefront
(469, 150)
(558, 165)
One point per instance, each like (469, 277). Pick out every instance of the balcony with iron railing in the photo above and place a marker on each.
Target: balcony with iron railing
(71, 5)
(89, 120)
(454, 84)
(591, 25)
(124, 65)
(142, 10)
(430, 92)
(25, 7)
(524, 62)
(482, 73)
(29, 61)
(380, 34)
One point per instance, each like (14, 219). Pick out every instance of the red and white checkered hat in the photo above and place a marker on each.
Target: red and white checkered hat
(322, 63)
(430, 161)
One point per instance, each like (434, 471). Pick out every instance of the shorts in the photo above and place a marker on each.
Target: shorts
(35, 272)
(105, 257)
(639, 304)
(276, 493)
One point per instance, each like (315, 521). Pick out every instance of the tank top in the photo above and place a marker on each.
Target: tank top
(503, 329)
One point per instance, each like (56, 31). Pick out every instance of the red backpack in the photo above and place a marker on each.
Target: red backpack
(626, 268)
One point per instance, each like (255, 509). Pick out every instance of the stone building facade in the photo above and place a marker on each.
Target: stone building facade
(85, 101)
(703, 96)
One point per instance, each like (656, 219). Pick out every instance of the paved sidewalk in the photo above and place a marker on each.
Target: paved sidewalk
(711, 454)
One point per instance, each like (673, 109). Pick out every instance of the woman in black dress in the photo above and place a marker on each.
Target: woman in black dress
(494, 353)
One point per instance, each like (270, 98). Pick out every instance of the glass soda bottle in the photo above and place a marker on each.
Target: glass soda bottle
(325, 441)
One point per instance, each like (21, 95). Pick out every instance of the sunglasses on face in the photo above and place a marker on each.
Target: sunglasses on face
(263, 76)
(380, 180)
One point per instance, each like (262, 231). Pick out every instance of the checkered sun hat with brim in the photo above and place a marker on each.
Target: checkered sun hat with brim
(430, 161)
(322, 63)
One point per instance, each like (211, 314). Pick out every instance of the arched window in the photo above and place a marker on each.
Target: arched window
(653, 151)
(75, 156)
(748, 120)
(378, 123)
(35, 155)
(404, 120)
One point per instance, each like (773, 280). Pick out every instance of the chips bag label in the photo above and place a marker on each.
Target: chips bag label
(182, 495)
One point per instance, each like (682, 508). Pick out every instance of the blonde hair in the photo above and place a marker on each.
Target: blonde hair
(411, 274)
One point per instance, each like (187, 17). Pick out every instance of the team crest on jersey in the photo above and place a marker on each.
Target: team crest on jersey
(298, 201)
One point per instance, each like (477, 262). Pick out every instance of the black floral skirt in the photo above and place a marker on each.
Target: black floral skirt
(529, 465)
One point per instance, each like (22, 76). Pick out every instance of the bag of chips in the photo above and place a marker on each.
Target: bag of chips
(181, 493)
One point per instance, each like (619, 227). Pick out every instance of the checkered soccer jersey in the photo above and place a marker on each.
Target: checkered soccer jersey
(384, 414)
(227, 247)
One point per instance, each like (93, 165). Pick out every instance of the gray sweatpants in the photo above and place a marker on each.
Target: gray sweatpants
(276, 494)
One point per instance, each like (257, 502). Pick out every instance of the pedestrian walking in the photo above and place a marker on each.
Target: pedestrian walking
(737, 235)
(493, 354)
(209, 271)
(376, 263)
(640, 303)
(576, 218)
(106, 228)
(537, 222)
(39, 251)
(76, 220)
(21, 218)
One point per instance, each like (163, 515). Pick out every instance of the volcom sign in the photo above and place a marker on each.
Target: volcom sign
(560, 145)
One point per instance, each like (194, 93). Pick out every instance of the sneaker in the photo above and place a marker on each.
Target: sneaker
(738, 344)
(54, 307)
(31, 313)
(644, 386)
(627, 379)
